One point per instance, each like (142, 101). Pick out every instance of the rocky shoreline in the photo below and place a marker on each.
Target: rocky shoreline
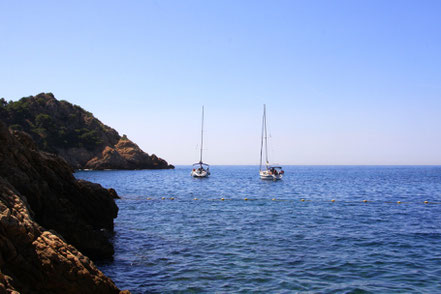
(73, 133)
(49, 222)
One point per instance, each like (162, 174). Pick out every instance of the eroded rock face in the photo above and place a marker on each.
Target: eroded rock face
(76, 135)
(42, 209)
(82, 212)
(125, 155)
(34, 260)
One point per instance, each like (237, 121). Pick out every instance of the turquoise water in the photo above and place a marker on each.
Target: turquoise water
(282, 246)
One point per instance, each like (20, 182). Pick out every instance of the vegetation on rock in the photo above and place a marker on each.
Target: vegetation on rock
(73, 133)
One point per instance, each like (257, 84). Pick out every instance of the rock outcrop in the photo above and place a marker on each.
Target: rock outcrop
(75, 134)
(125, 155)
(43, 208)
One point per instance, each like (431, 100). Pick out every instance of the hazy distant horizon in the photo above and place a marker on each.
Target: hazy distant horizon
(345, 83)
(355, 165)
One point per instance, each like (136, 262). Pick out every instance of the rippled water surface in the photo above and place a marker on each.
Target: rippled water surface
(284, 245)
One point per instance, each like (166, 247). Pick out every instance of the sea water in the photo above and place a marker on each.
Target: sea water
(287, 237)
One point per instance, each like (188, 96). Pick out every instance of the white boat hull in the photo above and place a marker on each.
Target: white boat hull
(200, 174)
(267, 175)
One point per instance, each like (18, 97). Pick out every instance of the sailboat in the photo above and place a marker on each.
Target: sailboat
(201, 169)
(269, 172)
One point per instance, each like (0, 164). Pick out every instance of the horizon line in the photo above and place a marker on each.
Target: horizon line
(439, 164)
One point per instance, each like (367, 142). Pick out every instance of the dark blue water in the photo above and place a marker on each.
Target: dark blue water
(277, 246)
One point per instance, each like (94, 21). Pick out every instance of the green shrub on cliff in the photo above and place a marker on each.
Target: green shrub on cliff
(89, 138)
(60, 125)
(44, 121)
(16, 127)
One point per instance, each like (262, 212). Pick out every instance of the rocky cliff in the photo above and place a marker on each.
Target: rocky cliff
(43, 208)
(75, 134)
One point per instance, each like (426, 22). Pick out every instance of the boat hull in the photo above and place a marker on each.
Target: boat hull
(266, 175)
(200, 174)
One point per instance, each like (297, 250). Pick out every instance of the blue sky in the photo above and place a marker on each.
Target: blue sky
(345, 82)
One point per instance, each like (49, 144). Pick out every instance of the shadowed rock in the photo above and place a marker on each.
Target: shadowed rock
(42, 209)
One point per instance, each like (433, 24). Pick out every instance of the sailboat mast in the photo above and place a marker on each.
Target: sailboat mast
(266, 137)
(202, 134)
(261, 138)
